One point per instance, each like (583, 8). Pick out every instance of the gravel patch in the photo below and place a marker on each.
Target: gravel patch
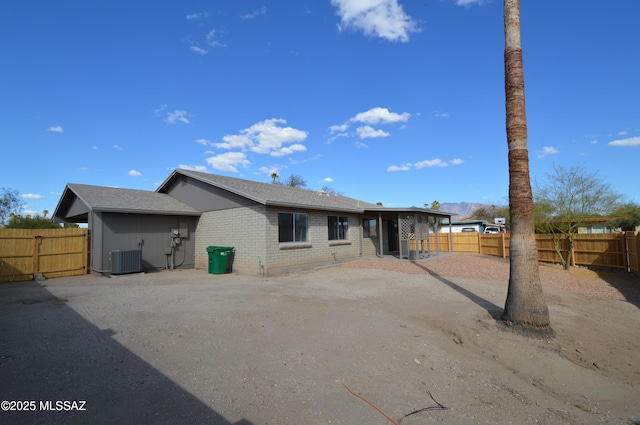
(597, 284)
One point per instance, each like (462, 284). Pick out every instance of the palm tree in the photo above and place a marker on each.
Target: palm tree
(525, 306)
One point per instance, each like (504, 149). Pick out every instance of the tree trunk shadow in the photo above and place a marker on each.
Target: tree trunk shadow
(494, 311)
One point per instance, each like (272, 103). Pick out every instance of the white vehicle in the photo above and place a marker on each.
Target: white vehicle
(493, 229)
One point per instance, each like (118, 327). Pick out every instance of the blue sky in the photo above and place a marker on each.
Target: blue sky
(392, 101)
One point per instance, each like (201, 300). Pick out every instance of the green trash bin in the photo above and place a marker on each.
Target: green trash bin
(220, 259)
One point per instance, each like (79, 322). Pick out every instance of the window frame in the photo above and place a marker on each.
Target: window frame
(337, 228)
(294, 234)
(369, 231)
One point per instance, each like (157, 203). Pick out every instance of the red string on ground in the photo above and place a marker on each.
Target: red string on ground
(370, 404)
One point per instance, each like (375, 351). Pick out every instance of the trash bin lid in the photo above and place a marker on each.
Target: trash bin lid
(219, 248)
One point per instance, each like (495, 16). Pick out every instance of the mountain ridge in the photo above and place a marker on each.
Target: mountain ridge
(461, 210)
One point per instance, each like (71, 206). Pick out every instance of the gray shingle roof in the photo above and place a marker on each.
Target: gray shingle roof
(278, 195)
(102, 198)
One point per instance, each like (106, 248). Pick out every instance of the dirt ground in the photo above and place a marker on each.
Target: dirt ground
(187, 347)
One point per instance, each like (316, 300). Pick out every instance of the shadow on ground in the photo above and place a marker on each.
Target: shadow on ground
(49, 352)
(628, 284)
(493, 310)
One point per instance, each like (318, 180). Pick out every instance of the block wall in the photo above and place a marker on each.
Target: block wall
(318, 250)
(253, 232)
(243, 228)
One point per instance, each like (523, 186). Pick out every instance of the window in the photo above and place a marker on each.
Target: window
(370, 227)
(293, 227)
(338, 228)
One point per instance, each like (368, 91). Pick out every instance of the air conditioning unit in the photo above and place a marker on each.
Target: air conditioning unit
(125, 261)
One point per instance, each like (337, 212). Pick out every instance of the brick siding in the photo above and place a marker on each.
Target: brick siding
(253, 232)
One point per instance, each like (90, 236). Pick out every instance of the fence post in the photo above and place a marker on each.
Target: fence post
(625, 252)
(637, 239)
(479, 243)
(502, 245)
(85, 251)
(36, 255)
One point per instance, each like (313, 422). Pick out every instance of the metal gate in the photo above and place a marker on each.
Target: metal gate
(413, 232)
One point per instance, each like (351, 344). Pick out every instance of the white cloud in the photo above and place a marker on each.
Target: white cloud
(211, 39)
(327, 180)
(197, 16)
(228, 161)
(55, 129)
(469, 2)
(405, 167)
(234, 141)
(441, 114)
(594, 142)
(427, 163)
(135, 173)
(338, 128)
(367, 132)
(547, 150)
(630, 141)
(361, 145)
(117, 147)
(380, 115)
(270, 170)
(32, 196)
(288, 150)
(622, 133)
(373, 116)
(266, 137)
(203, 142)
(377, 18)
(158, 112)
(436, 162)
(177, 116)
(95, 148)
(269, 136)
(258, 12)
(193, 167)
(198, 50)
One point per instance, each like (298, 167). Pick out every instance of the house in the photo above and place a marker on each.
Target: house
(272, 228)
(597, 225)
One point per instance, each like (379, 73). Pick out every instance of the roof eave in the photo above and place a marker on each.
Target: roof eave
(311, 207)
(151, 212)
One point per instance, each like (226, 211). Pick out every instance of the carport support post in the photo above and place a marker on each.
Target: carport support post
(380, 234)
(450, 236)
(436, 229)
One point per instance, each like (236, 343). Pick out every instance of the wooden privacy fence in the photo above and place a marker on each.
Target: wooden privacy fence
(632, 240)
(26, 253)
(615, 250)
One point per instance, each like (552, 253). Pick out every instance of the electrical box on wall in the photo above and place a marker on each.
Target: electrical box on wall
(183, 227)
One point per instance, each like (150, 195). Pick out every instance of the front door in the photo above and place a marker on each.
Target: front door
(392, 235)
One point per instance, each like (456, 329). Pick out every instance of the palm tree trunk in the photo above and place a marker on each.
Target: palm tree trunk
(525, 306)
